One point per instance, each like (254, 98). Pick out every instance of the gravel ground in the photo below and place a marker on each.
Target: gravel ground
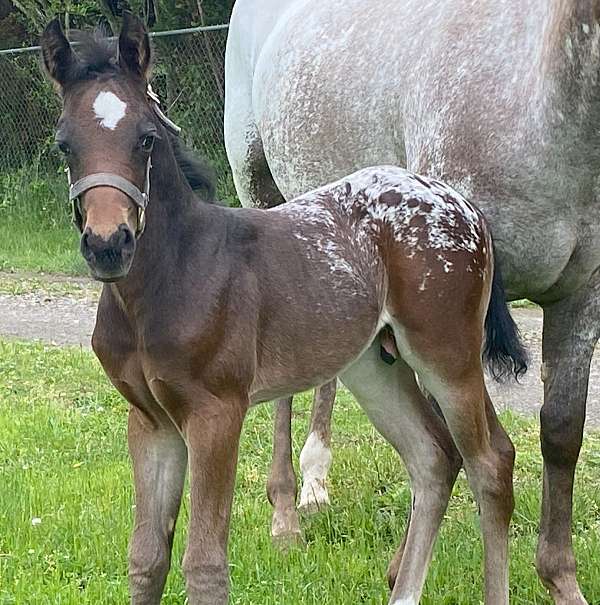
(67, 320)
(527, 396)
(60, 320)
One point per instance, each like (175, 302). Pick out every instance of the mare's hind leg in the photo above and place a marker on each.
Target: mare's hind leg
(394, 403)
(315, 458)
(281, 484)
(571, 330)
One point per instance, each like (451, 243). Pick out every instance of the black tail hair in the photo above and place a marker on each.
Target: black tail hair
(198, 172)
(504, 354)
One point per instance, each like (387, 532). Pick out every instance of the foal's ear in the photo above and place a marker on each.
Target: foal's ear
(134, 47)
(59, 58)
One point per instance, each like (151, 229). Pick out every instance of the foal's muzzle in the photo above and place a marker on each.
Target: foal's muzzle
(109, 179)
(109, 259)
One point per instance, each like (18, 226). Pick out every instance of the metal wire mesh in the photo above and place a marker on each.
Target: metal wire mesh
(29, 110)
(188, 76)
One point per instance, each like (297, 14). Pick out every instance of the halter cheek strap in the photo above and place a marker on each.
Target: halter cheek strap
(109, 179)
(155, 102)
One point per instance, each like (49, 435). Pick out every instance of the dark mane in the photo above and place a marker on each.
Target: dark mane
(96, 54)
(198, 172)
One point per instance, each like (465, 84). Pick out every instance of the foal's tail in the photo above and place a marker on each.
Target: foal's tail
(503, 353)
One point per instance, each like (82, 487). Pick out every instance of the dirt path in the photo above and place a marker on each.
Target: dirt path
(61, 319)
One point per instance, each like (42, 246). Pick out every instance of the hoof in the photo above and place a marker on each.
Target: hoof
(285, 529)
(556, 570)
(314, 497)
(287, 541)
(564, 590)
(568, 597)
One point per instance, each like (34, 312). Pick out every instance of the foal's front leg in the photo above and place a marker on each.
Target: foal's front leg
(159, 460)
(212, 433)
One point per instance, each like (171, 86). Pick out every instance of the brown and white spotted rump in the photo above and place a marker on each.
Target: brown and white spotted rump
(378, 242)
(378, 277)
(423, 217)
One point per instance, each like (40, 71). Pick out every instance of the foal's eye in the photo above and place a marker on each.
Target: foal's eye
(147, 142)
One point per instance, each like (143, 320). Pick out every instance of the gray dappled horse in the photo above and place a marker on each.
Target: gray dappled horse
(500, 98)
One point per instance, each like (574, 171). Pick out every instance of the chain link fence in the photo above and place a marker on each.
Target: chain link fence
(188, 76)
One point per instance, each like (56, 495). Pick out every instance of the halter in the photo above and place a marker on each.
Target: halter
(109, 179)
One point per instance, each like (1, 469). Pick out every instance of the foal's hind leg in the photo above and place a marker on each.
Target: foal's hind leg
(454, 376)
(391, 398)
(281, 484)
(256, 187)
(315, 458)
(315, 461)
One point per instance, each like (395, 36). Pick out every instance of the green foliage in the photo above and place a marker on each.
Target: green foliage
(35, 223)
(63, 459)
(35, 15)
(188, 75)
(86, 14)
(187, 13)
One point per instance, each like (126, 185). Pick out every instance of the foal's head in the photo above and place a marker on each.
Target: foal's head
(106, 131)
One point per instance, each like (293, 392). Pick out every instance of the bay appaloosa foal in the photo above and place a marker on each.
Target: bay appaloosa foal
(208, 310)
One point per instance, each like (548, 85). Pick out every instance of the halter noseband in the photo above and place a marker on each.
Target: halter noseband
(109, 179)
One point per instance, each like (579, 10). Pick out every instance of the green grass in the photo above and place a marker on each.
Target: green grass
(63, 459)
(35, 225)
(20, 282)
(523, 303)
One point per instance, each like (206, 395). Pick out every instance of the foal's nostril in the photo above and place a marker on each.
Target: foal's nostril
(126, 236)
(85, 243)
(109, 257)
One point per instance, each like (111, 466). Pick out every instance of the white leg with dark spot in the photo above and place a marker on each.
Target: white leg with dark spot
(316, 457)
